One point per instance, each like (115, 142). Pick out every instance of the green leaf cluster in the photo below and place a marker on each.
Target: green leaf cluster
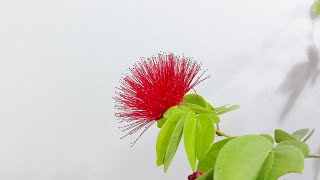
(248, 157)
(193, 120)
(256, 157)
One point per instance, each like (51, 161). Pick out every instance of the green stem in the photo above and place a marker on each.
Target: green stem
(314, 156)
(220, 133)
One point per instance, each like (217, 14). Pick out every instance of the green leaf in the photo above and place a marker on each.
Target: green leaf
(205, 134)
(280, 135)
(209, 106)
(300, 134)
(214, 117)
(287, 159)
(171, 111)
(316, 6)
(164, 136)
(161, 122)
(220, 108)
(207, 176)
(210, 158)
(309, 136)
(189, 131)
(242, 158)
(229, 109)
(195, 99)
(199, 140)
(174, 143)
(266, 167)
(298, 144)
(268, 137)
(198, 109)
(184, 108)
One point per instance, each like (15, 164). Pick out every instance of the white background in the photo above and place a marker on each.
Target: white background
(61, 60)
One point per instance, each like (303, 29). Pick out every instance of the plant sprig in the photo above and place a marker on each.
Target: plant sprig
(248, 157)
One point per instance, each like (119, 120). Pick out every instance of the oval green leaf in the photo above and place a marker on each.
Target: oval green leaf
(309, 136)
(174, 143)
(160, 122)
(198, 109)
(189, 131)
(214, 117)
(171, 111)
(164, 137)
(280, 135)
(266, 167)
(287, 159)
(242, 158)
(268, 137)
(298, 144)
(205, 134)
(209, 106)
(300, 134)
(220, 108)
(229, 109)
(195, 99)
(210, 158)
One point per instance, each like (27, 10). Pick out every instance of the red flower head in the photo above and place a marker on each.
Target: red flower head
(153, 86)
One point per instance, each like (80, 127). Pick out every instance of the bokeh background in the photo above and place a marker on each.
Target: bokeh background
(61, 60)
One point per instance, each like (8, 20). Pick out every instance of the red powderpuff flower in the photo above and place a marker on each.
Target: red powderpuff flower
(153, 86)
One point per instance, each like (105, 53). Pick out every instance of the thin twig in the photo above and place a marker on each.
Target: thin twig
(220, 133)
(314, 156)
